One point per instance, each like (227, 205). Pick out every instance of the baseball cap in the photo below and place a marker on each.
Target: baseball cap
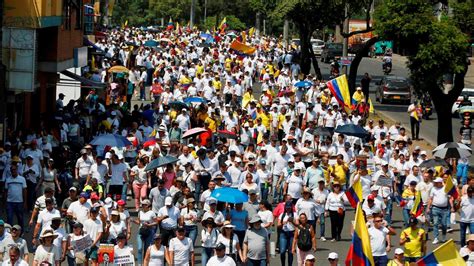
(371, 197)
(94, 196)
(438, 180)
(211, 201)
(309, 257)
(252, 191)
(423, 153)
(84, 195)
(147, 202)
(297, 167)
(72, 189)
(220, 246)
(121, 203)
(168, 201)
(18, 227)
(413, 220)
(399, 251)
(333, 256)
(114, 212)
(417, 148)
(157, 236)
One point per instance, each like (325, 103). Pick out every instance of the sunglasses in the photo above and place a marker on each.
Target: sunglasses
(378, 221)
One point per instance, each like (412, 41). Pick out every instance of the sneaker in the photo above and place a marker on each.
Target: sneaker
(443, 238)
(450, 230)
(323, 239)
(435, 241)
(333, 240)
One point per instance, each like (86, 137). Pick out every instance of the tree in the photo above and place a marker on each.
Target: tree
(437, 50)
(233, 23)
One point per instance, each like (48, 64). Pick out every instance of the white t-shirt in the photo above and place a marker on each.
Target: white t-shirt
(122, 255)
(140, 174)
(182, 250)
(377, 240)
(307, 207)
(440, 198)
(93, 228)
(287, 226)
(266, 216)
(467, 209)
(79, 211)
(295, 185)
(116, 228)
(226, 242)
(49, 255)
(224, 261)
(117, 173)
(45, 217)
(157, 256)
(21, 262)
(173, 217)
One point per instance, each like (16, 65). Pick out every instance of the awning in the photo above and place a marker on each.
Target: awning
(83, 80)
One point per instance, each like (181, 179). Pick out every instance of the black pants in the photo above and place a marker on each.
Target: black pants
(31, 194)
(115, 190)
(166, 235)
(240, 236)
(415, 128)
(337, 223)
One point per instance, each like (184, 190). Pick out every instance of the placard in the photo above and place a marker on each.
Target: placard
(106, 253)
(384, 181)
(82, 244)
(124, 259)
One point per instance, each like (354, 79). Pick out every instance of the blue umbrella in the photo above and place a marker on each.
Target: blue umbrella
(193, 100)
(352, 130)
(303, 84)
(151, 43)
(160, 161)
(112, 140)
(229, 195)
(205, 35)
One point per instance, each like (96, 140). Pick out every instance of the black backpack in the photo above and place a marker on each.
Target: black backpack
(304, 239)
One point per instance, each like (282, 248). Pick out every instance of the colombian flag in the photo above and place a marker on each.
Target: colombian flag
(446, 254)
(223, 25)
(340, 90)
(450, 188)
(242, 49)
(417, 208)
(354, 193)
(170, 25)
(251, 31)
(360, 251)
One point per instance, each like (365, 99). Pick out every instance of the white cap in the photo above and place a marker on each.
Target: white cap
(438, 180)
(423, 153)
(383, 162)
(297, 167)
(237, 160)
(291, 160)
(374, 188)
(168, 201)
(211, 201)
(333, 256)
(417, 148)
(399, 251)
(108, 202)
(309, 257)
(228, 163)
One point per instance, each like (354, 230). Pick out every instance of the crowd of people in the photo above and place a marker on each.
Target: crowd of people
(262, 135)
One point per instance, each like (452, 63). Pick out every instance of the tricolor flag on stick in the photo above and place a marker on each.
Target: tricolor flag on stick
(446, 254)
(354, 193)
(340, 90)
(417, 208)
(360, 251)
(223, 25)
(170, 25)
(450, 188)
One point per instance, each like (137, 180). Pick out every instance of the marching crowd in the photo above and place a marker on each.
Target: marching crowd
(279, 147)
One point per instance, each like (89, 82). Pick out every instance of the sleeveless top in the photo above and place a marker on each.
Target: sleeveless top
(157, 256)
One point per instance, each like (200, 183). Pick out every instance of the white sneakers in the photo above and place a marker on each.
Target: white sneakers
(323, 239)
(435, 241)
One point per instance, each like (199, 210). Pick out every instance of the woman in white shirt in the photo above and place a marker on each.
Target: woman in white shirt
(294, 184)
(266, 215)
(287, 224)
(123, 254)
(115, 227)
(140, 181)
(146, 220)
(308, 206)
(209, 236)
(189, 217)
(157, 253)
(47, 253)
(249, 184)
(335, 210)
(230, 240)
(49, 177)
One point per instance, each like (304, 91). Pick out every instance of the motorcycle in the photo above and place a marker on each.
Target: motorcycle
(426, 106)
(387, 68)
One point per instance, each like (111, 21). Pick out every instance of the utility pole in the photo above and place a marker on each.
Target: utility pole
(191, 17)
(285, 32)
(257, 23)
(205, 11)
(345, 43)
(3, 82)
(264, 24)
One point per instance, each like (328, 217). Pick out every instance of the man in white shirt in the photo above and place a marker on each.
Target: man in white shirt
(15, 191)
(79, 209)
(181, 249)
(118, 176)
(83, 168)
(380, 241)
(168, 217)
(14, 258)
(93, 227)
(466, 207)
(220, 259)
(183, 120)
(45, 217)
(439, 206)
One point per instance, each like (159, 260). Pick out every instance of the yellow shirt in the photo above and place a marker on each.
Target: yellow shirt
(217, 85)
(338, 170)
(185, 80)
(281, 118)
(266, 119)
(200, 69)
(325, 99)
(414, 246)
(212, 123)
(358, 96)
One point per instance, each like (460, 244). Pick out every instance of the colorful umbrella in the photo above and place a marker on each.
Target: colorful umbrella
(190, 100)
(226, 134)
(193, 132)
(112, 140)
(160, 161)
(229, 195)
(151, 43)
(303, 84)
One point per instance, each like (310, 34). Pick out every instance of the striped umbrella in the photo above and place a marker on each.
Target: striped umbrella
(452, 150)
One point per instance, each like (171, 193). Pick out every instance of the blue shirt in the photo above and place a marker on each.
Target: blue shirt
(238, 219)
(312, 176)
(15, 186)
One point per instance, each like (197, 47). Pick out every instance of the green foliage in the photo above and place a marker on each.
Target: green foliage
(233, 23)
(463, 16)
(127, 10)
(174, 9)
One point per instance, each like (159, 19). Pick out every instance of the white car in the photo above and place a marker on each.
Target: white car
(466, 91)
(317, 46)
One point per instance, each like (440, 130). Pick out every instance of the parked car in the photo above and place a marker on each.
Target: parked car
(331, 51)
(469, 92)
(317, 46)
(391, 88)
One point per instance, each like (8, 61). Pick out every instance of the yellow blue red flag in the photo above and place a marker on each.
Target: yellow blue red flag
(446, 255)
(340, 90)
(354, 193)
(360, 251)
(417, 208)
(450, 188)
(242, 49)
(223, 25)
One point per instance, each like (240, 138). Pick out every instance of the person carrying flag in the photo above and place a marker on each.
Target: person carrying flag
(415, 119)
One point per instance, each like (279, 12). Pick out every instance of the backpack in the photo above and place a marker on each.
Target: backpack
(304, 239)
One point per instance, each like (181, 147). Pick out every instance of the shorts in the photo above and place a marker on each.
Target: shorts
(92, 253)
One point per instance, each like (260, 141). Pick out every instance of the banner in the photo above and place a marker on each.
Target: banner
(106, 253)
(82, 244)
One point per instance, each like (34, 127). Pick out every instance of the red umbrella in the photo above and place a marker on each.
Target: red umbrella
(193, 132)
(148, 143)
(226, 134)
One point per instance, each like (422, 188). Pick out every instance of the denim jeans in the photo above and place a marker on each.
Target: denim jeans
(191, 232)
(257, 262)
(406, 217)
(143, 244)
(380, 260)
(124, 192)
(463, 227)
(322, 225)
(286, 241)
(206, 254)
(15, 209)
(71, 261)
(264, 191)
(440, 218)
(388, 210)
